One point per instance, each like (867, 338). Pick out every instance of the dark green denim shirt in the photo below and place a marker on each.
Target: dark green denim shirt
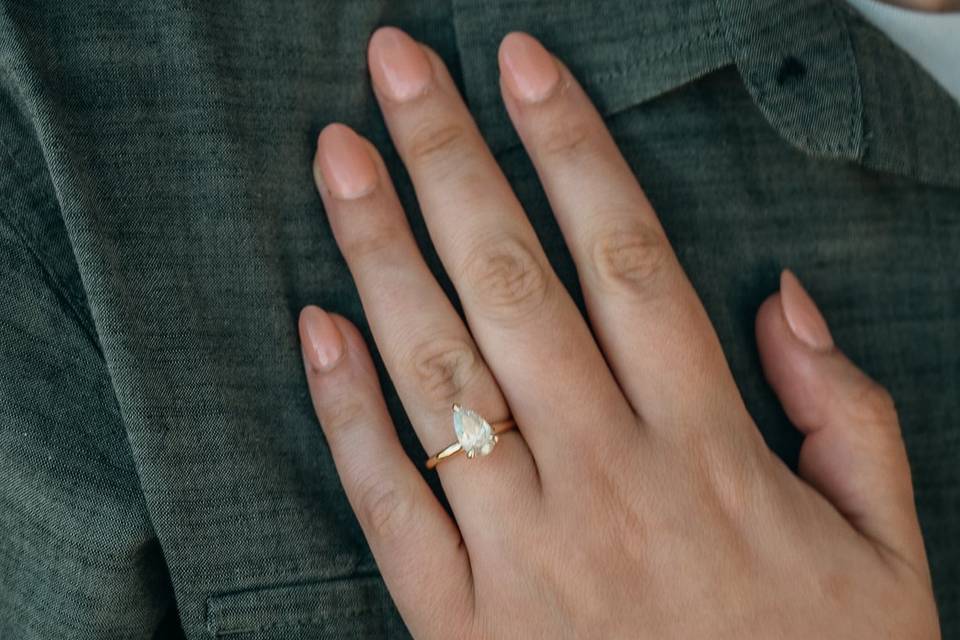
(160, 464)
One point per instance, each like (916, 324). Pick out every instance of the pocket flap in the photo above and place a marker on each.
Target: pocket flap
(343, 608)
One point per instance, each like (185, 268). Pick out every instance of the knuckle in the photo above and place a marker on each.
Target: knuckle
(630, 257)
(569, 139)
(432, 143)
(873, 404)
(443, 368)
(384, 508)
(363, 241)
(507, 281)
(343, 414)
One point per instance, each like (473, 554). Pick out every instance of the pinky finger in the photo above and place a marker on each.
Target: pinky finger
(417, 546)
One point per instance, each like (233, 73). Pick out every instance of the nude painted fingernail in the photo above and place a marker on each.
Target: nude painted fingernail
(529, 70)
(804, 319)
(324, 344)
(398, 65)
(345, 164)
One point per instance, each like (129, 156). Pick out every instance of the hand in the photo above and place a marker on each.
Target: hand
(636, 499)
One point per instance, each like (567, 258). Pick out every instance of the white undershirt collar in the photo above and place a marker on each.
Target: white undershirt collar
(932, 39)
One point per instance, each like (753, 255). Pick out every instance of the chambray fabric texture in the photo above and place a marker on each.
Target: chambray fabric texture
(161, 469)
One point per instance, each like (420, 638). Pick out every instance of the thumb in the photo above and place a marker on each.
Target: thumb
(853, 452)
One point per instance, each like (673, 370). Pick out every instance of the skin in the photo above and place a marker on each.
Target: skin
(636, 499)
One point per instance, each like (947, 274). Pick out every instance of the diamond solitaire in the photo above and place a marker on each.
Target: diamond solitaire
(475, 435)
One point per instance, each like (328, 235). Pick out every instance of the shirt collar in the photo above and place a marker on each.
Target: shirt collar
(820, 75)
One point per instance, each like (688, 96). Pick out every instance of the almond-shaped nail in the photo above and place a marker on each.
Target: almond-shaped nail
(346, 167)
(802, 315)
(399, 67)
(528, 69)
(322, 342)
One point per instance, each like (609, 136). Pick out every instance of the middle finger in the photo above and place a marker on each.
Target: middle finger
(525, 323)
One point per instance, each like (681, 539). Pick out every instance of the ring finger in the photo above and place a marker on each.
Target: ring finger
(426, 348)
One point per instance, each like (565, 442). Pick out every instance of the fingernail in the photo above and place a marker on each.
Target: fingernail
(323, 341)
(398, 65)
(528, 69)
(804, 319)
(345, 164)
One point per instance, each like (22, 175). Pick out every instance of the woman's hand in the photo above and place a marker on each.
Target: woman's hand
(636, 499)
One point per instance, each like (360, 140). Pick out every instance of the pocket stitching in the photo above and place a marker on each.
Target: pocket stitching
(219, 621)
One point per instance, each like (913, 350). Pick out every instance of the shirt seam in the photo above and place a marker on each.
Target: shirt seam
(61, 289)
(714, 34)
(857, 138)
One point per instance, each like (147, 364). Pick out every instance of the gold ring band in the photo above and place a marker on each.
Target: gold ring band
(475, 436)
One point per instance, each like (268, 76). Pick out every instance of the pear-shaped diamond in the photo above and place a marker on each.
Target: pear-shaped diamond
(474, 434)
